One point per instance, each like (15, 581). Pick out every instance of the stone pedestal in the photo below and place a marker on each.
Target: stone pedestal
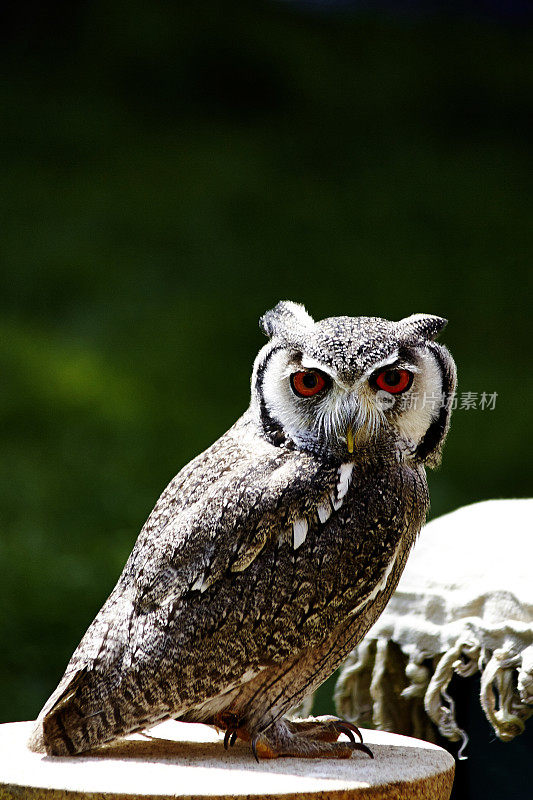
(189, 761)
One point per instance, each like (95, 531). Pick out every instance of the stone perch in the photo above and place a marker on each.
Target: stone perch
(180, 760)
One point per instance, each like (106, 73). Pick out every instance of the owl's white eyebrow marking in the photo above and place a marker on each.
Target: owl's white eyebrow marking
(299, 532)
(385, 363)
(311, 363)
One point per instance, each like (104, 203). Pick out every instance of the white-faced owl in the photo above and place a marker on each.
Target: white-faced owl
(269, 556)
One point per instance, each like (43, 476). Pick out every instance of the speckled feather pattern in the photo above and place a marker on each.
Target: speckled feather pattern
(261, 566)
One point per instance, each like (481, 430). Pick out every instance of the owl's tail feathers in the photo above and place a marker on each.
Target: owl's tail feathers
(90, 708)
(58, 729)
(80, 715)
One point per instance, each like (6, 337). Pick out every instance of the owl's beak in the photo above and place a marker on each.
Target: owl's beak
(349, 439)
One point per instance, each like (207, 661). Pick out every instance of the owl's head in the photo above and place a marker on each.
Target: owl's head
(345, 383)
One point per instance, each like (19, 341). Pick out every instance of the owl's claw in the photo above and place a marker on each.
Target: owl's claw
(347, 732)
(348, 728)
(230, 737)
(254, 748)
(233, 727)
(364, 748)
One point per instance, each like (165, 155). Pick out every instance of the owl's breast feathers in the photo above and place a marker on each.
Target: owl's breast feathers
(252, 554)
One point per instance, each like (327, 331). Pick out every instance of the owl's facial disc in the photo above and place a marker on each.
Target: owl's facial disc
(324, 411)
(313, 406)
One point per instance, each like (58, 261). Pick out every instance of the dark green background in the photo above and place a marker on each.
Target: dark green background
(169, 172)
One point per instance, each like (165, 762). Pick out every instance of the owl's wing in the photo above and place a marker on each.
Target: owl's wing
(219, 513)
(231, 515)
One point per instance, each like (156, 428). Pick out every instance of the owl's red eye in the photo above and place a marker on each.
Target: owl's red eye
(307, 383)
(393, 380)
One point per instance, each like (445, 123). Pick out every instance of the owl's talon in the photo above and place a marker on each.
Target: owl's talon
(347, 732)
(254, 748)
(364, 748)
(227, 737)
(230, 737)
(348, 728)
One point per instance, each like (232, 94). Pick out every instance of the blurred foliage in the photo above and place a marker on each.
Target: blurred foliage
(170, 171)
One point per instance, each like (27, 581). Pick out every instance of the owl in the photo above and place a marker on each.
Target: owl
(269, 556)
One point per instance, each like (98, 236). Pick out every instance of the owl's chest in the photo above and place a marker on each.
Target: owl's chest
(335, 568)
(377, 512)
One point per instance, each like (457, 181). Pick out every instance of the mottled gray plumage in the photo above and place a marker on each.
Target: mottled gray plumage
(269, 556)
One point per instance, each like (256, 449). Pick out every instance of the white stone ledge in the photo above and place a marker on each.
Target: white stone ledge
(189, 761)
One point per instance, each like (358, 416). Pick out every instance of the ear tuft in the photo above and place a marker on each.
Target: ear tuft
(285, 318)
(421, 326)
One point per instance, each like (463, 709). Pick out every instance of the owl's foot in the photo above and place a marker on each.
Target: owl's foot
(310, 738)
(325, 728)
(315, 737)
